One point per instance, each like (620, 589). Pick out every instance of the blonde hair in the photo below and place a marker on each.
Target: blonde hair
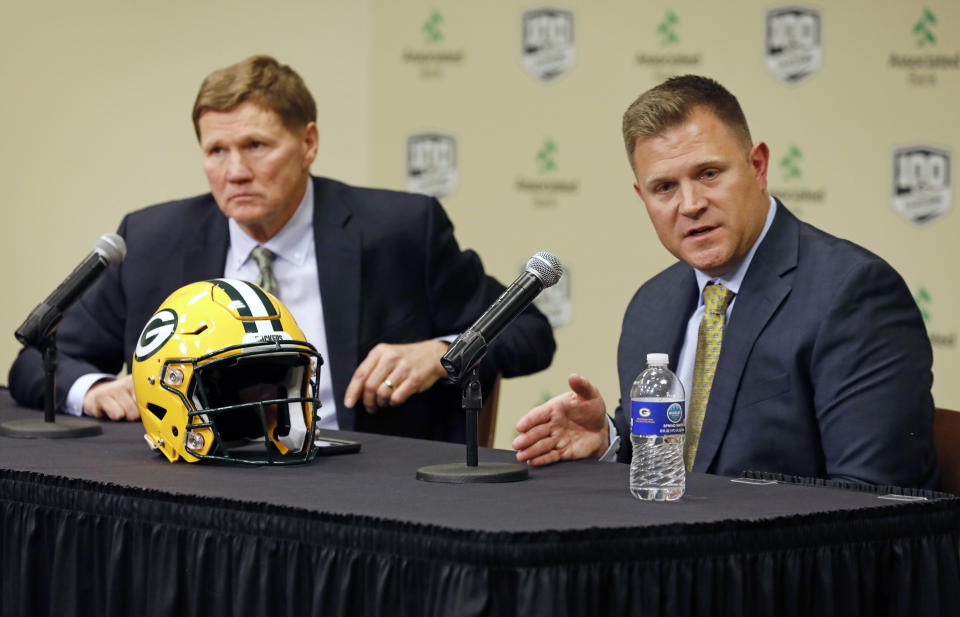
(261, 80)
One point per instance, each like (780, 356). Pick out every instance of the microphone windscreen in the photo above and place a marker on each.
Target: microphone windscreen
(112, 248)
(545, 267)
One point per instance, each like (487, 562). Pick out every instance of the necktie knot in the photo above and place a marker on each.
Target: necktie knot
(716, 298)
(264, 258)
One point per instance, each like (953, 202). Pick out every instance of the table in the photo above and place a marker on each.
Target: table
(102, 526)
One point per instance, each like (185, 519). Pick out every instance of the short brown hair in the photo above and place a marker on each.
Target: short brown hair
(261, 80)
(667, 105)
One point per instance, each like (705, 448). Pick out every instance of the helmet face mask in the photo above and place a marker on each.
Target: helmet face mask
(222, 372)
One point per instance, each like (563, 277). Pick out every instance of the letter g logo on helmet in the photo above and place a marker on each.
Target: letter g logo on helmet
(157, 332)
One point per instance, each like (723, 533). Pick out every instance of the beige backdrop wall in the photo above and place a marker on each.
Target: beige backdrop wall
(95, 116)
(531, 108)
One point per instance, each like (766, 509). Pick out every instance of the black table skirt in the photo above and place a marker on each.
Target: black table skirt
(98, 526)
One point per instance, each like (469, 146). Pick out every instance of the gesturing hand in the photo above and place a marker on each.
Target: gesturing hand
(569, 426)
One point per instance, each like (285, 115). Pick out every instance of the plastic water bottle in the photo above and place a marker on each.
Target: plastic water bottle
(657, 427)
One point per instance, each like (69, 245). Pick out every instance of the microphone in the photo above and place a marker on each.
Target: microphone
(109, 250)
(542, 271)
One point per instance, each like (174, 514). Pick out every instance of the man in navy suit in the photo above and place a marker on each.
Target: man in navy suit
(824, 368)
(375, 279)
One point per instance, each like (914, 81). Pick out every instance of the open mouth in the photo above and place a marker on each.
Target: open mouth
(699, 231)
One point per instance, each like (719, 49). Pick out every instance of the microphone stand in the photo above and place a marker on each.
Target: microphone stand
(473, 471)
(48, 427)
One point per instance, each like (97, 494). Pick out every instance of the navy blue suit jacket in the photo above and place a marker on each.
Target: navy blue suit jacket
(825, 368)
(390, 271)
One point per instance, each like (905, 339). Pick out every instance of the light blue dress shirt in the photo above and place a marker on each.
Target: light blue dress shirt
(732, 281)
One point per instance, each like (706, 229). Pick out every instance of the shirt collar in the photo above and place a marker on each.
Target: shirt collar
(733, 279)
(291, 243)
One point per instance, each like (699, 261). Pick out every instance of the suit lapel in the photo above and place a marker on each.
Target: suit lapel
(656, 321)
(207, 255)
(339, 253)
(763, 290)
(670, 332)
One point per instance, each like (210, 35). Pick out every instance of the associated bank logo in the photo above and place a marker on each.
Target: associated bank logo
(789, 165)
(921, 182)
(431, 28)
(793, 47)
(924, 300)
(795, 191)
(666, 30)
(547, 186)
(432, 164)
(434, 56)
(925, 65)
(664, 63)
(922, 29)
(548, 48)
(546, 156)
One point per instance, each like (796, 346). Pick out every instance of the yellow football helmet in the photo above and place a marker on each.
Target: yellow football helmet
(222, 371)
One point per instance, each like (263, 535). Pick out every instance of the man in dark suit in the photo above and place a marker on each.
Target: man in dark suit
(375, 278)
(824, 365)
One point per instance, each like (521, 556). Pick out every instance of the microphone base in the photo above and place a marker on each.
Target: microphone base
(61, 429)
(460, 473)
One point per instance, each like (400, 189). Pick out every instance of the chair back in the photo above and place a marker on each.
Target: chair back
(946, 439)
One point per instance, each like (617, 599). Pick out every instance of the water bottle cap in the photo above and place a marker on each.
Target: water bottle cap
(658, 359)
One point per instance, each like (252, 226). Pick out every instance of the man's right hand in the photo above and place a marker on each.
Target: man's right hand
(113, 399)
(568, 426)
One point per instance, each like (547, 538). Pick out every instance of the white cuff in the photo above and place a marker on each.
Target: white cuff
(610, 455)
(79, 389)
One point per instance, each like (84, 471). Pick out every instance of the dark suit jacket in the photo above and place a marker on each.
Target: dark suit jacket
(825, 368)
(390, 271)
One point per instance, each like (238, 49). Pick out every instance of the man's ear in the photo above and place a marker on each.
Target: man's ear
(311, 141)
(760, 159)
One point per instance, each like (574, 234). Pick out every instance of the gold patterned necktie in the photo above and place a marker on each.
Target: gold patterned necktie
(709, 337)
(264, 258)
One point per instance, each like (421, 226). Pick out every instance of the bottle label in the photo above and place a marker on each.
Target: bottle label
(661, 418)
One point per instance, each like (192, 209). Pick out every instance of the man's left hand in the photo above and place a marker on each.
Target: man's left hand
(390, 374)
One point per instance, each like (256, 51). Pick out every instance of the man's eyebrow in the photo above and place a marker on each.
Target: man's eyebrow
(711, 162)
(652, 181)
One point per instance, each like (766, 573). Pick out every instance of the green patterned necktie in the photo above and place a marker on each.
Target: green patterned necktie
(264, 258)
(710, 336)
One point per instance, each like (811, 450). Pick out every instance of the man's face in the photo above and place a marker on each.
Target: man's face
(704, 192)
(257, 168)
